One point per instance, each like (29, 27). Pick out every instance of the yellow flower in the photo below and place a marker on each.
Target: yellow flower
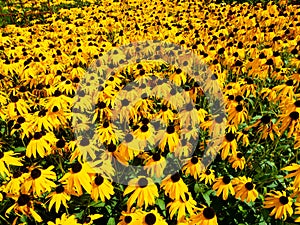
(281, 204)
(237, 161)
(144, 191)
(208, 176)
(182, 207)
(24, 204)
(7, 159)
(174, 186)
(58, 197)
(39, 181)
(206, 216)
(295, 168)
(193, 167)
(244, 189)
(78, 176)
(101, 188)
(71, 220)
(223, 185)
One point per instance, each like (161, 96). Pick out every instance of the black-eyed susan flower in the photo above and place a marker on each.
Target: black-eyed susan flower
(78, 177)
(174, 186)
(228, 144)
(182, 207)
(101, 188)
(169, 137)
(24, 205)
(208, 176)
(223, 185)
(153, 218)
(65, 219)
(39, 181)
(237, 161)
(280, 203)
(8, 159)
(193, 167)
(206, 215)
(244, 189)
(155, 165)
(39, 144)
(132, 217)
(58, 197)
(144, 192)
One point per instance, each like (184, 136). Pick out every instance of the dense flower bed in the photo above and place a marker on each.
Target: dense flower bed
(252, 52)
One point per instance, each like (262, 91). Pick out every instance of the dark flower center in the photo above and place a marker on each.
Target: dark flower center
(55, 109)
(156, 157)
(164, 108)
(239, 155)
(144, 128)
(42, 113)
(230, 137)
(76, 167)
(214, 77)
(189, 107)
(231, 97)
(59, 189)
(209, 213)
(14, 99)
(297, 103)
(284, 200)
(239, 108)
(226, 179)
(37, 135)
(99, 180)
(23, 199)
(239, 98)
(111, 147)
(143, 182)
(170, 129)
(294, 115)
(60, 143)
(17, 174)
(128, 137)
(266, 119)
(178, 71)
(145, 121)
(21, 120)
(128, 219)
(289, 83)
(249, 186)
(175, 177)
(194, 160)
(207, 172)
(36, 173)
(1, 155)
(106, 124)
(88, 219)
(150, 219)
(125, 102)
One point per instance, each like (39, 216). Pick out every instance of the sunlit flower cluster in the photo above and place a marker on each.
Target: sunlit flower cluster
(253, 56)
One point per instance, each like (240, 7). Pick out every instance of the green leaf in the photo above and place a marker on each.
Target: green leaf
(97, 204)
(161, 204)
(111, 221)
(20, 149)
(206, 197)
(79, 215)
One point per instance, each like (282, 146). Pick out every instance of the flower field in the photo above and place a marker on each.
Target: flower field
(54, 88)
